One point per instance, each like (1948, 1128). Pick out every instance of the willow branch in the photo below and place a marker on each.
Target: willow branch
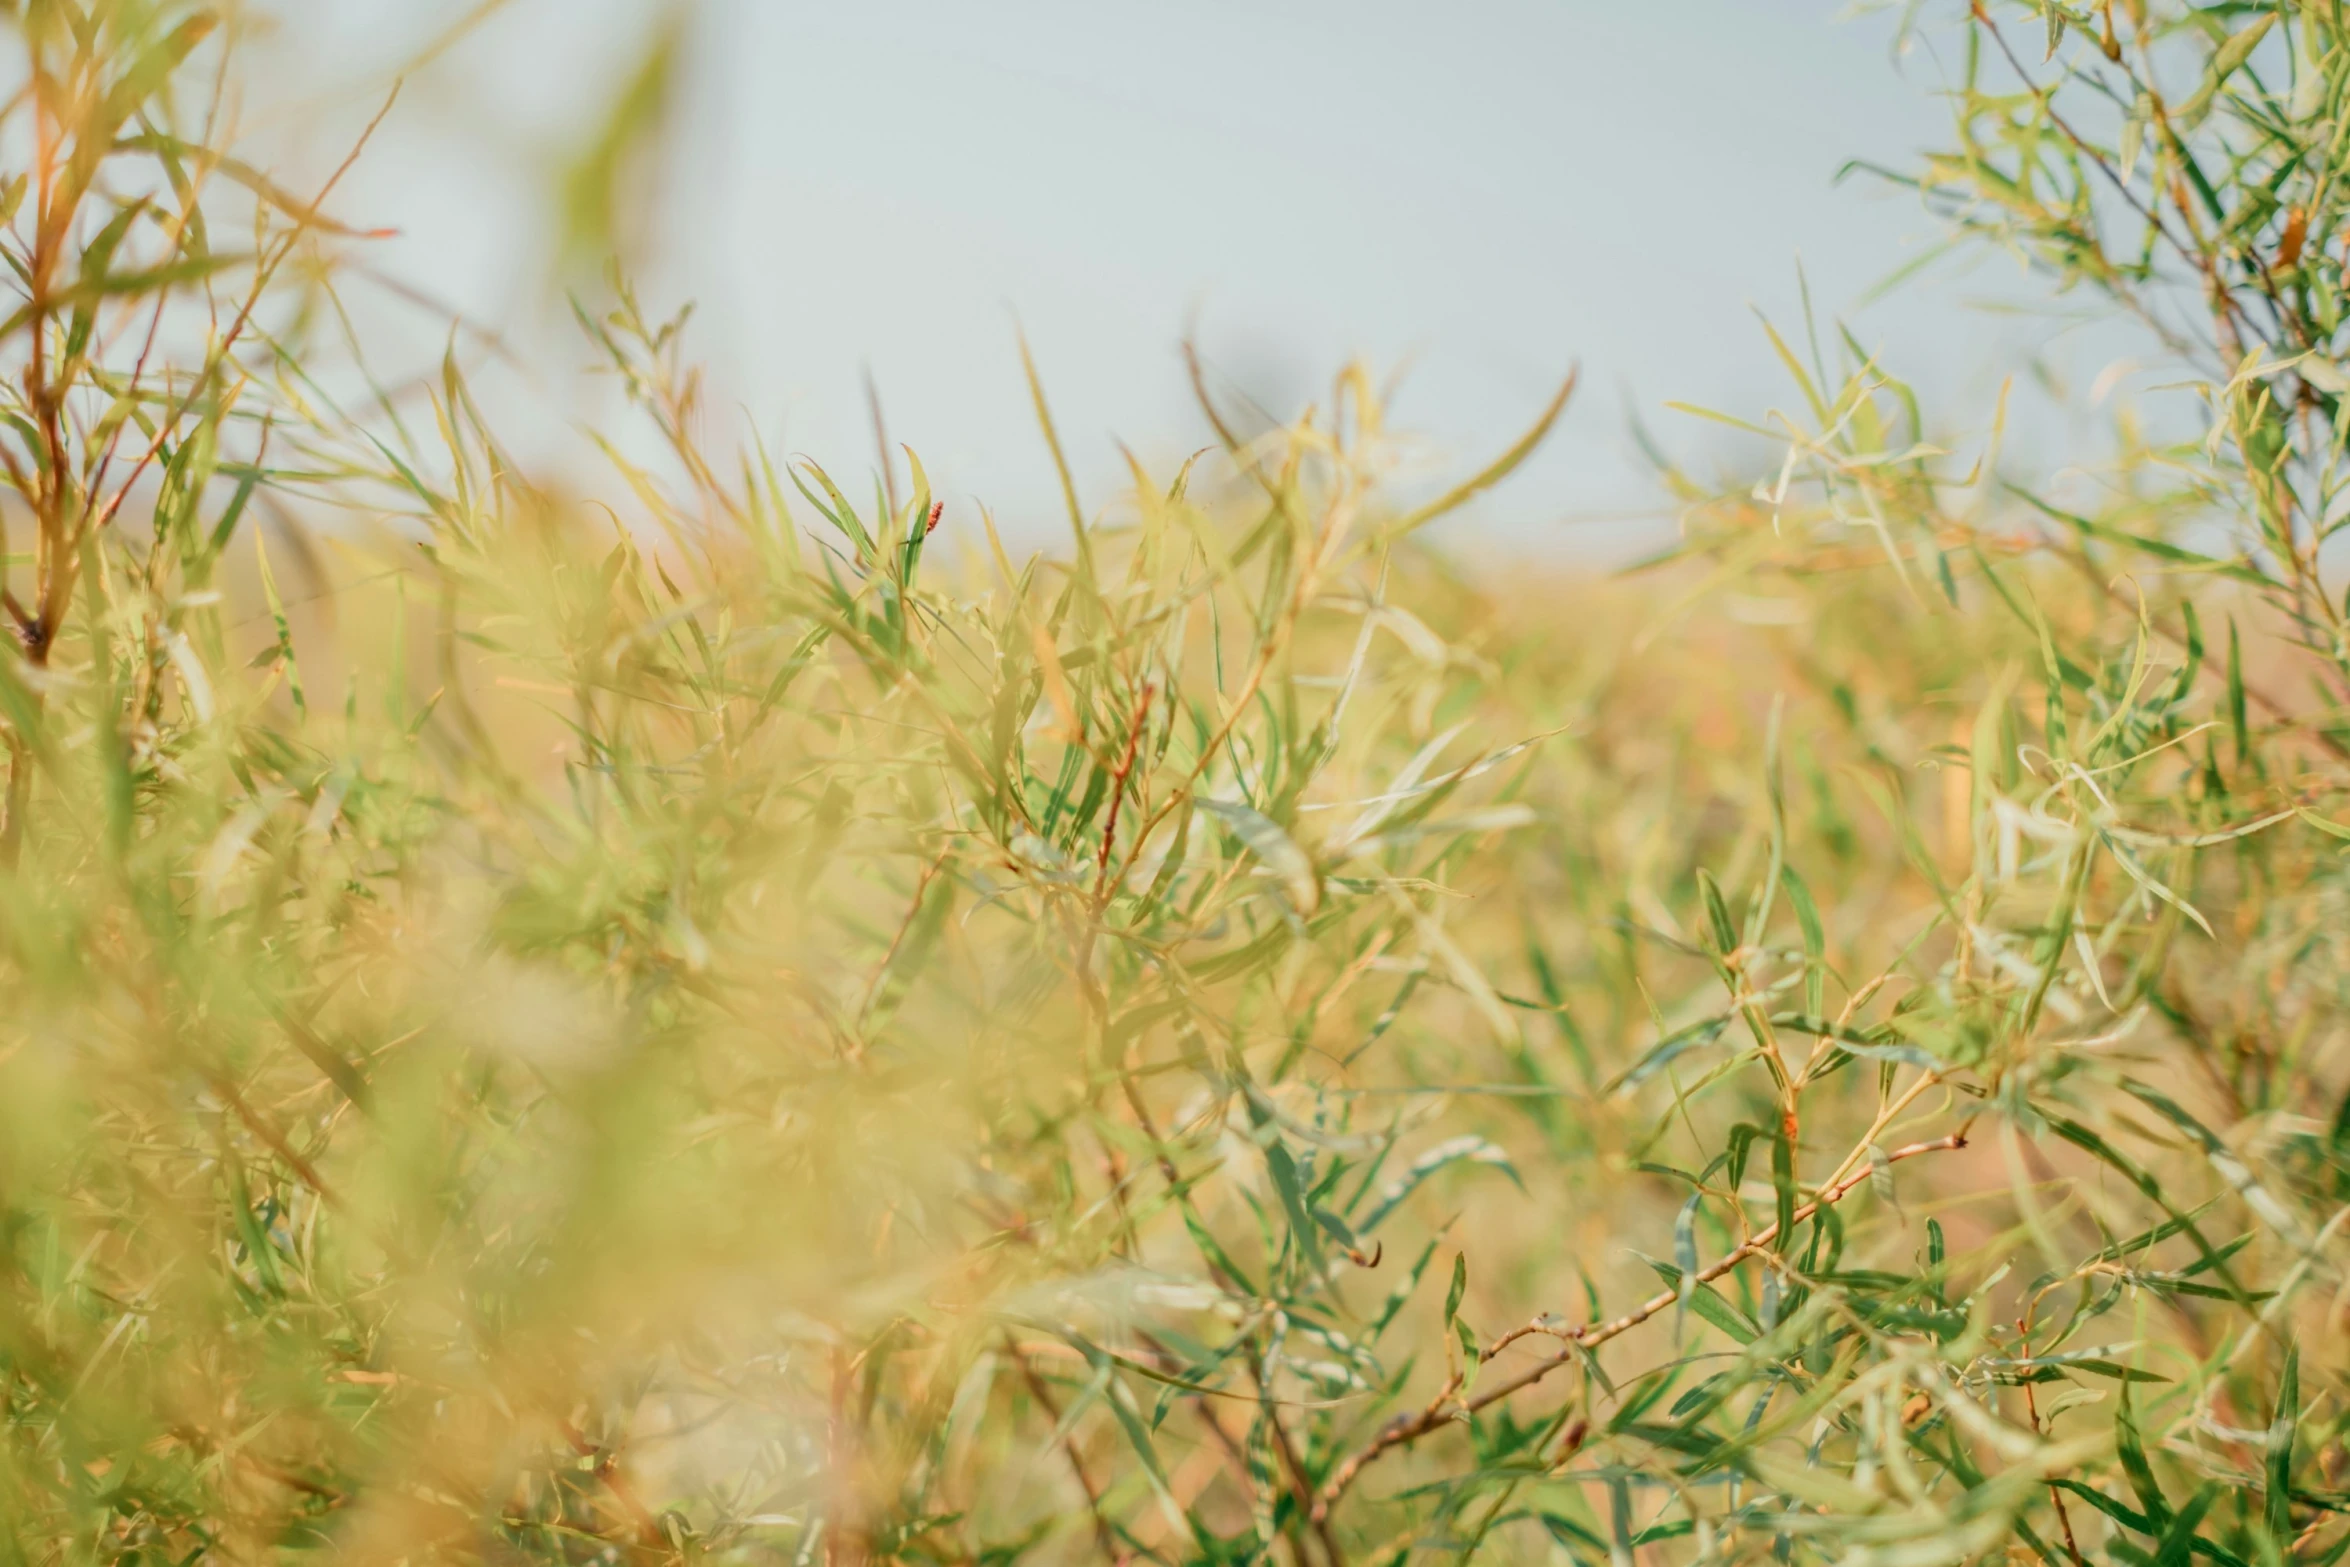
(1580, 1341)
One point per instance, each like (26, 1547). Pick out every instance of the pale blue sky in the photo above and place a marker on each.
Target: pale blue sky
(1487, 189)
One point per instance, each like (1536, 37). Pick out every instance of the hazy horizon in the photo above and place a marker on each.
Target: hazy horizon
(894, 189)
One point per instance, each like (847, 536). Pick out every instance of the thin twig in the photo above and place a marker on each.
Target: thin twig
(1103, 1534)
(1118, 782)
(1444, 1408)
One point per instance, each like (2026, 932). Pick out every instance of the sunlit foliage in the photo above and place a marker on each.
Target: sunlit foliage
(754, 1022)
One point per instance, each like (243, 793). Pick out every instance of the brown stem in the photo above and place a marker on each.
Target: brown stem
(1118, 780)
(2082, 146)
(605, 1466)
(1580, 1341)
(1300, 1487)
(2072, 1546)
(259, 1126)
(1103, 1535)
(95, 516)
(873, 986)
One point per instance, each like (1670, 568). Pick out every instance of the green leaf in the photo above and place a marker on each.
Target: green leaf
(1052, 441)
(1815, 941)
(1393, 1305)
(2089, 1142)
(113, 285)
(1274, 848)
(596, 188)
(97, 257)
(2226, 60)
(1468, 1148)
(1783, 1189)
(284, 651)
(2178, 1542)
(1717, 915)
(840, 513)
(2130, 1518)
(2131, 1447)
(1709, 1304)
(1662, 1054)
(152, 71)
(1494, 472)
(1293, 1200)
(2277, 1510)
(2236, 721)
(1685, 1249)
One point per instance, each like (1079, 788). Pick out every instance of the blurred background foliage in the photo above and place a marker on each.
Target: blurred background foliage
(759, 1022)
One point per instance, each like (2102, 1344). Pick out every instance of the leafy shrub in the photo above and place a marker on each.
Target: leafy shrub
(766, 1028)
